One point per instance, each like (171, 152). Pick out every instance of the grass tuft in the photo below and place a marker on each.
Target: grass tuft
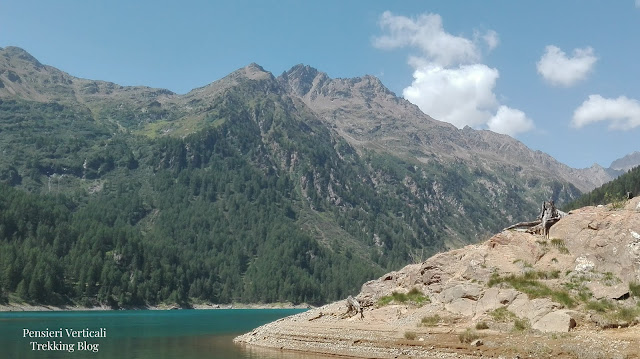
(468, 336)
(502, 314)
(529, 284)
(634, 289)
(430, 321)
(560, 245)
(410, 335)
(415, 296)
(520, 325)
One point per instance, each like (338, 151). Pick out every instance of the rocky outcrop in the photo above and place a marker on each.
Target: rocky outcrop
(577, 281)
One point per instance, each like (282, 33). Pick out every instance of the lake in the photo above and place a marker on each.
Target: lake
(136, 334)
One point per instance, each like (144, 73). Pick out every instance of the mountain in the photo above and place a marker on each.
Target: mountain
(626, 163)
(574, 295)
(615, 191)
(368, 115)
(253, 188)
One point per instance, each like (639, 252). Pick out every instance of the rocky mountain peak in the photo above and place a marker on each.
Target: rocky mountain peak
(300, 79)
(252, 71)
(627, 162)
(13, 52)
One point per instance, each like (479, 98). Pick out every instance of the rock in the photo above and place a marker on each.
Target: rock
(594, 225)
(584, 265)
(606, 322)
(463, 290)
(534, 309)
(495, 298)
(476, 343)
(558, 321)
(601, 291)
(463, 306)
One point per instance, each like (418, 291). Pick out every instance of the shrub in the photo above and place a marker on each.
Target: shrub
(430, 321)
(560, 245)
(634, 289)
(601, 305)
(616, 201)
(482, 325)
(468, 336)
(410, 335)
(414, 296)
(627, 314)
(520, 325)
(502, 314)
(385, 300)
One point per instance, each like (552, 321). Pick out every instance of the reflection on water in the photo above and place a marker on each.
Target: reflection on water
(183, 334)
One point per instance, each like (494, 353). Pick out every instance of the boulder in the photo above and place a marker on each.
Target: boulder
(495, 298)
(533, 309)
(600, 291)
(462, 306)
(559, 321)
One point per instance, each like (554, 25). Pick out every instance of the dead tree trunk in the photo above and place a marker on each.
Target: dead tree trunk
(353, 305)
(548, 216)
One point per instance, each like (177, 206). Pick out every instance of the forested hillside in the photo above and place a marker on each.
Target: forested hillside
(236, 192)
(613, 191)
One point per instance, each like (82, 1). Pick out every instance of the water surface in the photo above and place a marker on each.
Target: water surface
(142, 334)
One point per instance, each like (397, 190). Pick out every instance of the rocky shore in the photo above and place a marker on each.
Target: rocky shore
(517, 295)
(25, 307)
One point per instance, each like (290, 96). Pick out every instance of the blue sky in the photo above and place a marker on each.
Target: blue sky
(561, 76)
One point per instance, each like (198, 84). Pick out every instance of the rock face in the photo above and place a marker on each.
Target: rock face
(513, 281)
(558, 321)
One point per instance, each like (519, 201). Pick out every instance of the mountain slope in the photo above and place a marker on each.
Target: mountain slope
(368, 115)
(190, 197)
(615, 191)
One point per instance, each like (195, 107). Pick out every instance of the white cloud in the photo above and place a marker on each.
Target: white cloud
(449, 82)
(560, 70)
(510, 121)
(427, 34)
(623, 113)
(492, 40)
(461, 96)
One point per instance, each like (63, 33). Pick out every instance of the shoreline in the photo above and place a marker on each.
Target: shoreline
(25, 307)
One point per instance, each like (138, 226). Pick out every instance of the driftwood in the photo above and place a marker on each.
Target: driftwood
(548, 216)
(353, 306)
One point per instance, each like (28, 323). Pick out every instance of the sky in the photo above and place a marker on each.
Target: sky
(563, 77)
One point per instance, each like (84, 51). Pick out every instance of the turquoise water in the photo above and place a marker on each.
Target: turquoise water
(175, 334)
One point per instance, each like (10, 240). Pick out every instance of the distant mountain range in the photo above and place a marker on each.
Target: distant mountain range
(252, 188)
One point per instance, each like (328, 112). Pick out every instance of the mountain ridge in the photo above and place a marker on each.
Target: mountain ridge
(325, 96)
